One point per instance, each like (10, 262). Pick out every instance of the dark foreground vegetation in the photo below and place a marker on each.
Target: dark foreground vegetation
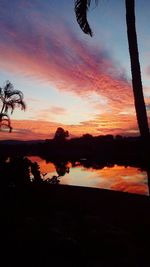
(101, 147)
(52, 225)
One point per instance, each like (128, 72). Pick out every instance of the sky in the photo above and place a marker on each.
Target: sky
(69, 79)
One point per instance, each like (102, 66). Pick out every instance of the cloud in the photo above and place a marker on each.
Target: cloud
(34, 43)
(39, 129)
(48, 114)
(58, 110)
(48, 49)
(113, 123)
(148, 71)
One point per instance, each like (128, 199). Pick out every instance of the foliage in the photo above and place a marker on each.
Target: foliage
(20, 171)
(10, 99)
(61, 134)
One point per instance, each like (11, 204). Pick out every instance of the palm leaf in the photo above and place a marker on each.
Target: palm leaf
(5, 121)
(81, 9)
(22, 104)
(13, 94)
(8, 88)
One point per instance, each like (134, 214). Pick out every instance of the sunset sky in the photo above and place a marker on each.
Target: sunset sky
(71, 80)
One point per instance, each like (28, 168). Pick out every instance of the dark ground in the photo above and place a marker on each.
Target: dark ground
(53, 225)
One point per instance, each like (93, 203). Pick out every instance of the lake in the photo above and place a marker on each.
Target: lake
(113, 177)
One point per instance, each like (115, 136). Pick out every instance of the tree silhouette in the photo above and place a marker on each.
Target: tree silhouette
(81, 8)
(10, 99)
(61, 167)
(61, 134)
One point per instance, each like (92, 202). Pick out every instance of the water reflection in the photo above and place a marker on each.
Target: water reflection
(94, 174)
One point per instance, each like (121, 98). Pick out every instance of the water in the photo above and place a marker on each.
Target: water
(113, 177)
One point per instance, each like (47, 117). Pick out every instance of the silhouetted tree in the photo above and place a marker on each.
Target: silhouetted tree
(54, 180)
(61, 168)
(81, 8)
(119, 137)
(5, 121)
(19, 171)
(61, 134)
(35, 170)
(10, 99)
(15, 171)
(87, 137)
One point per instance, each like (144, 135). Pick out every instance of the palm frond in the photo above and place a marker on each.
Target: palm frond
(5, 121)
(22, 104)
(14, 93)
(3, 115)
(9, 104)
(8, 88)
(81, 9)
(10, 99)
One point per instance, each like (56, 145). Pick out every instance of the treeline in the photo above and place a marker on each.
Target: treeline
(105, 147)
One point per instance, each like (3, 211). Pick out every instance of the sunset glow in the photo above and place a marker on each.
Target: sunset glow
(70, 80)
(119, 178)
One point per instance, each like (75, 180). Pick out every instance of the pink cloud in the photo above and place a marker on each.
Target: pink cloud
(58, 110)
(39, 129)
(148, 71)
(63, 60)
(49, 50)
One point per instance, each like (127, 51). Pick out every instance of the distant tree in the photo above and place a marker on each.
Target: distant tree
(61, 134)
(87, 136)
(119, 137)
(61, 168)
(10, 99)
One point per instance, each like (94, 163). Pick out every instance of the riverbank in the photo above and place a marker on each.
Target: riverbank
(49, 225)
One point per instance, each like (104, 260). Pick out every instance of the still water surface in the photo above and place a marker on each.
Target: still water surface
(116, 177)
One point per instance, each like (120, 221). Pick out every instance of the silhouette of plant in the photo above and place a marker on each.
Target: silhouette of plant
(61, 134)
(54, 180)
(5, 121)
(15, 171)
(61, 168)
(19, 171)
(81, 8)
(10, 99)
(35, 170)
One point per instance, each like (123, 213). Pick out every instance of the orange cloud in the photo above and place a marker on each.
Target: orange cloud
(58, 110)
(33, 129)
(71, 65)
(65, 61)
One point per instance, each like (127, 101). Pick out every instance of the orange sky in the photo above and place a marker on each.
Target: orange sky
(70, 80)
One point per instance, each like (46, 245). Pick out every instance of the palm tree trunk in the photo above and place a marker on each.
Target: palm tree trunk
(135, 70)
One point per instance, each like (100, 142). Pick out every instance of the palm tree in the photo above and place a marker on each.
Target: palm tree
(10, 99)
(81, 8)
(5, 121)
